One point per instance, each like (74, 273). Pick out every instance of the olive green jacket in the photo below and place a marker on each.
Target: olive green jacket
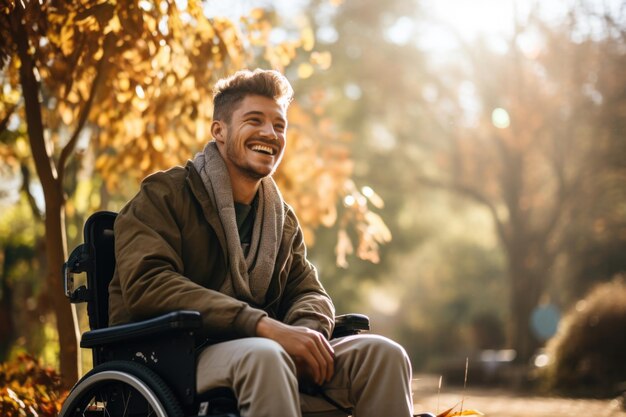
(170, 250)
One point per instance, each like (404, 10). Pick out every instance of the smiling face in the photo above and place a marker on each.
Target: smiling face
(253, 142)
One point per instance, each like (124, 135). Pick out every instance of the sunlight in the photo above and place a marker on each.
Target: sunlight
(383, 300)
(500, 118)
(452, 21)
(472, 18)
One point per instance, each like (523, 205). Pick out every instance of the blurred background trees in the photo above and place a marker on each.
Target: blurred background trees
(478, 175)
(490, 153)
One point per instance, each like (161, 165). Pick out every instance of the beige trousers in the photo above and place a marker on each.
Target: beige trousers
(372, 377)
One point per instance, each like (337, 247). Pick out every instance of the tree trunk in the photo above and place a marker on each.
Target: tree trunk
(66, 319)
(67, 324)
(522, 338)
(524, 298)
(7, 328)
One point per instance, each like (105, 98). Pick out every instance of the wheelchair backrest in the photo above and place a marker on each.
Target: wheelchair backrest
(95, 257)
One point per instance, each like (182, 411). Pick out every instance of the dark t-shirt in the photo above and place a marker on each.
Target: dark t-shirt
(245, 214)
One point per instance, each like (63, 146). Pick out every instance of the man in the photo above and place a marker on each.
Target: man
(217, 237)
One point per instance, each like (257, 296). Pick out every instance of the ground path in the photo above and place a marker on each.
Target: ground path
(505, 403)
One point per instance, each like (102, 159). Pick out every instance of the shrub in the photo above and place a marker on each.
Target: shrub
(588, 353)
(29, 389)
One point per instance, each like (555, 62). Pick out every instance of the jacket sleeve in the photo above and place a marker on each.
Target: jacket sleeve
(305, 302)
(149, 264)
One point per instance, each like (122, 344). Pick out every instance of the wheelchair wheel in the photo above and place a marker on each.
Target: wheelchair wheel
(121, 389)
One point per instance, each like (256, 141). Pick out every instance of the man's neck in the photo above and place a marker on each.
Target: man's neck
(244, 189)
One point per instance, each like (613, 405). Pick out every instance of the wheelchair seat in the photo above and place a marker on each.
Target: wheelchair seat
(134, 372)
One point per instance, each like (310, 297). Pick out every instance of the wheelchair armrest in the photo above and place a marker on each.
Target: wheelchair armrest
(350, 324)
(176, 320)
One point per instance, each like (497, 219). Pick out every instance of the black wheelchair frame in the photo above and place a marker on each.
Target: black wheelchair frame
(134, 373)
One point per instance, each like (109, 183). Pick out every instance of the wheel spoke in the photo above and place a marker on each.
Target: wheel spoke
(126, 401)
(120, 389)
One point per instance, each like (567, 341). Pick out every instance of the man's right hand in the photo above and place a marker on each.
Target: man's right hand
(304, 345)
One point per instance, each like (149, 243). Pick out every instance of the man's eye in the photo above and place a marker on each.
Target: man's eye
(280, 128)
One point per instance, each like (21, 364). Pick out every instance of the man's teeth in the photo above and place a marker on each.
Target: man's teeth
(263, 148)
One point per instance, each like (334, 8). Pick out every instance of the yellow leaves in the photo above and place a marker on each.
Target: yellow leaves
(181, 68)
(315, 179)
(145, 162)
(466, 413)
(123, 82)
(73, 97)
(257, 13)
(343, 248)
(123, 96)
(152, 108)
(22, 149)
(377, 228)
(88, 23)
(322, 60)
(372, 231)
(67, 39)
(451, 413)
(72, 28)
(373, 197)
(9, 162)
(202, 127)
(231, 41)
(67, 113)
(30, 389)
(83, 86)
(99, 53)
(279, 44)
(308, 38)
(9, 97)
(305, 70)
(370, 228)
(151, 24)
(281, 55)
(158, 143)
(140, 104)
(134, 126)
(113, 25)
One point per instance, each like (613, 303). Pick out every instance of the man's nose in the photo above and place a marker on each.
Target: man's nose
(268, 131)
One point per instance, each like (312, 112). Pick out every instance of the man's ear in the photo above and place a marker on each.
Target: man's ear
(218, 131)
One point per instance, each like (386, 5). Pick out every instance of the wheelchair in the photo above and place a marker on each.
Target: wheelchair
(145, 368)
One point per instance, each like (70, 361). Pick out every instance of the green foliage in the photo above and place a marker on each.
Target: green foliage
(27, 388)
(589, 351)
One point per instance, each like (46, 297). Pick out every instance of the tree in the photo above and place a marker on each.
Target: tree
(531, 155)
(126, 76)
(529, 135)
(126, 84)
(89, 69)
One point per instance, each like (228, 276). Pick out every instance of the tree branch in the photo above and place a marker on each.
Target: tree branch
(475, 195)
(68, 149)
(30, 91)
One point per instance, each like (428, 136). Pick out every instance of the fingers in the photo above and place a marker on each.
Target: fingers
(329, 359)
(302, 344)
(319, 356)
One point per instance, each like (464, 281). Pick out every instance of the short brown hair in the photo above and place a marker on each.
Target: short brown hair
(228, 92)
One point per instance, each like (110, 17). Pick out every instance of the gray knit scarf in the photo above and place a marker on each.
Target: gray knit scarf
(249, 276)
